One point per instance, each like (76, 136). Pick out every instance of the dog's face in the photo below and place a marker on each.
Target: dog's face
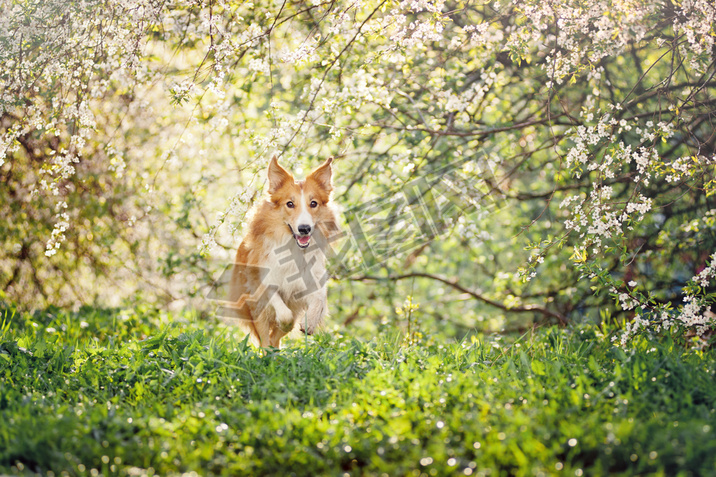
(301, 205)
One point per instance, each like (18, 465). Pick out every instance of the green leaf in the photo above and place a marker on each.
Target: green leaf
(538, 367)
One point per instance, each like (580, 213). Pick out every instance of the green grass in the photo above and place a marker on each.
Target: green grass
(131, 393)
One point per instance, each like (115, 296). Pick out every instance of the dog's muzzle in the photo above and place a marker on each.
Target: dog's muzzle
(303, 237)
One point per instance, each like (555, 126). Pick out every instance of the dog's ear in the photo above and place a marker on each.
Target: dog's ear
(322, 175)
(277, 175)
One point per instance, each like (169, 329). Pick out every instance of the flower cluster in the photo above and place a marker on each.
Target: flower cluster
(694, 315)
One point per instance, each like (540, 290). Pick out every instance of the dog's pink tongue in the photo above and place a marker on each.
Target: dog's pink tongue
(304, 240)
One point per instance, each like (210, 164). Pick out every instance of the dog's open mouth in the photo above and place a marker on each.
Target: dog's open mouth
(302, 240)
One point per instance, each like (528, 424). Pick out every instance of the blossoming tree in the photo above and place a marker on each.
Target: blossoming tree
(133, 135)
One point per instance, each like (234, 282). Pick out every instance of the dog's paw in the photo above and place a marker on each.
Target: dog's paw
(285, 320)
(286, 326)
(284, 316)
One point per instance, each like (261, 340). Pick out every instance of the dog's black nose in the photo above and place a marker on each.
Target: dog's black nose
(304, 229)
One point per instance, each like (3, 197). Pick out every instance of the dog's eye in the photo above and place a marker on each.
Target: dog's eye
(289, 204)
(314, 204)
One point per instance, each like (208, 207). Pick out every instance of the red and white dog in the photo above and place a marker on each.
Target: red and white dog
(279, 276)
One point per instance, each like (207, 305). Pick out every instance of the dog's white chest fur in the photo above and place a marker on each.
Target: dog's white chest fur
(297, 273)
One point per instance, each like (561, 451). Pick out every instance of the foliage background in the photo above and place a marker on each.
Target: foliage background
(134, 135)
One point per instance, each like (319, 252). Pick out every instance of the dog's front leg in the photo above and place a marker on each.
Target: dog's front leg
(317, 308)
(284, 315)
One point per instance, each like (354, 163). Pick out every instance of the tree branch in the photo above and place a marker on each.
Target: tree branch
(563, 320)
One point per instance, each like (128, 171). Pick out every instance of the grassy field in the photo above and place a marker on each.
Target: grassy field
(136, 392)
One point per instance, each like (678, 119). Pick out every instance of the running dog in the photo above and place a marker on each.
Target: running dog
(279, 275)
